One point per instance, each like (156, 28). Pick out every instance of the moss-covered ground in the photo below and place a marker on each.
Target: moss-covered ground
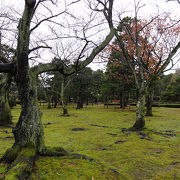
(96, 132)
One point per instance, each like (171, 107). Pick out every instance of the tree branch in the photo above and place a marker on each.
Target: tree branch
(171, 54)
(97, 50)
(62, 68)
(40, 68)
(46, 19)
(39, 47)
(7, 67)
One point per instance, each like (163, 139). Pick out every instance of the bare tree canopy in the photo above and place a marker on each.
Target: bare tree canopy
(29, 131)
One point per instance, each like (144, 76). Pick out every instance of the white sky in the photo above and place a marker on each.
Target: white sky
(151, 7)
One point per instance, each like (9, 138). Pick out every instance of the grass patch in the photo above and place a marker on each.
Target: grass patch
(151, 154)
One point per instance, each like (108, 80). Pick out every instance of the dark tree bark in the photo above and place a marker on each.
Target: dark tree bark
(149, 101)
(5, 111)
(49, 101)
(79, 101)
(55, 103)
(122, 100)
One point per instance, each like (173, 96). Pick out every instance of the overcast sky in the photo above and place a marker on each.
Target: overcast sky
(151, 7)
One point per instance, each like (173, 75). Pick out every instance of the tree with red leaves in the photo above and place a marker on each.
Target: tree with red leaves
(118, 72)
(148, 47)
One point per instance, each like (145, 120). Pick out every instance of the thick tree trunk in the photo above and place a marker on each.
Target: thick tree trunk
(5, 111)
(140, 109)
(149, 101)
(29, 128)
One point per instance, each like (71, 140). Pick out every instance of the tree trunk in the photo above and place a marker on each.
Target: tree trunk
(49, 101)
(5, 111)
(149, 101)
(140, 109)
(122, 100)
(87, 101)
(55, 103)
(65, 111)
(79, 102)
(29, 129)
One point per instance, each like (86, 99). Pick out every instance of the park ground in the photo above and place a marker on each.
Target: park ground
(98, 133)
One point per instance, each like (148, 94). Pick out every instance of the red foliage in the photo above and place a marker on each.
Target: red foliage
(148, 43)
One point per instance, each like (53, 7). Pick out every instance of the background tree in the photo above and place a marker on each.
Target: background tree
(96, 87)
(81, 87)
(119, 72)
(172, 91)
(6, 56)
(65, 82)
(5, 112)
(48, 88)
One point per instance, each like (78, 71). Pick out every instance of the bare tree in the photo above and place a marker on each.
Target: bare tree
(29, 131)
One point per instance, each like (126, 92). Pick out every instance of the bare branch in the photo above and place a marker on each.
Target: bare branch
(39, 47)
(171, 54)
(46, 19)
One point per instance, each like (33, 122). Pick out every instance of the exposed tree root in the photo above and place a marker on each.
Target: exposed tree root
(65, 115)
(54, 151)
(11, 154)
(22, 159)
(167, 133)
(80, 156)
(145, 135)
(132, 129)
(102, 126)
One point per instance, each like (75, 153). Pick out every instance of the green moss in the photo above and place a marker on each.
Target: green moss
(28, 151)
(129, 153)
(22, 166)
(11, 154)
(17, 171)
(75, 169)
